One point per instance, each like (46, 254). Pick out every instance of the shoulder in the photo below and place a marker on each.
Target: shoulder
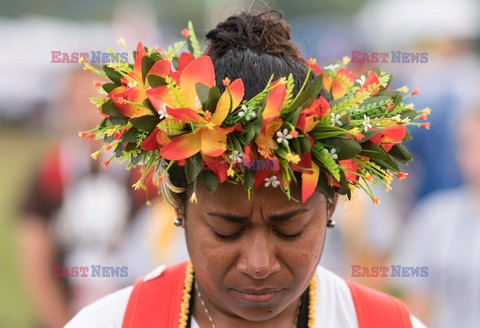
(107, 312)
(334, 293)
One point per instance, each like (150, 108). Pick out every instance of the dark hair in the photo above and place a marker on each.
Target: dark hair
(253, 47)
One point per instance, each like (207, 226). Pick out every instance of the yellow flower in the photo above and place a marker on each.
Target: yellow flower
(230, 172)
(210, 125)
(121, 42)
(346, 60)
(95, 154)
(193, 199)
(137, 185)
(426, 111)
(293, 158)
(403, 89)
(110, 132)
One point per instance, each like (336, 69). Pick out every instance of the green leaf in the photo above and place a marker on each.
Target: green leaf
(131, 146)
(401, 153)
(308, 96)
(372, 150)
(112, 120)
(119, 150)
(147, 103)
(347, 148)
(203, 92)
(296, 145)
(113, 75)
(103, 123)
(147, 63)
(212, 100)
(324, 132)
(156, 56)
(109, 108)
(324, 188)
(193, 167)
(155, 80)
(305, 145)
(146, 123)
(130, 135)
(390, 164)
(210, 180)
(411, 114)
(326, 160)
(109, 87)
(249, 179)
(408, 136)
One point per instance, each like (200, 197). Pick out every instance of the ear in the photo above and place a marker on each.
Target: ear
(180, 212)
(332, 206)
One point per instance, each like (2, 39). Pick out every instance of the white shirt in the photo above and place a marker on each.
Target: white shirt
(334, 305)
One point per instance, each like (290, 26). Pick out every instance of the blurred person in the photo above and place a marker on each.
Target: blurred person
(67, 219)
(444, 235)
(446, 31)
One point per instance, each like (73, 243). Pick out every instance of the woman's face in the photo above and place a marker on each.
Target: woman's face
(253, 258)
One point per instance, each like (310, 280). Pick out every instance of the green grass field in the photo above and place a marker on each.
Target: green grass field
(19, 148)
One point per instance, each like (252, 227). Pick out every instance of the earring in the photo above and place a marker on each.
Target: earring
(330, 224)
(178, 222)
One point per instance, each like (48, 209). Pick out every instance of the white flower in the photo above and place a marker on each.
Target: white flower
(361, 80)
(366, 123)
(131, 85)
(283, 136)
(248, 113)
(273, 180)
(332, 67)
(163, 112)
(235, 157)
(335, 119)
(332, 153)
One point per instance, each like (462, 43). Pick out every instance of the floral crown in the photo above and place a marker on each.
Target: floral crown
(165, 113)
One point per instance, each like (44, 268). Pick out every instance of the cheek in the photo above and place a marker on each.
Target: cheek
(209, 259)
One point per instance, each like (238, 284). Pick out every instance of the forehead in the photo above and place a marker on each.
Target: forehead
(234, 198)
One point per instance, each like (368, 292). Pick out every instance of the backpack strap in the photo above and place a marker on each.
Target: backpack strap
(156, 302)
(378, 310)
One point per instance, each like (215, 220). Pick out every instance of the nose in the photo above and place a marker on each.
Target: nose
(257, 258)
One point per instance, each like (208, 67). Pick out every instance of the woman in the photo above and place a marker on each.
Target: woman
(254, 258)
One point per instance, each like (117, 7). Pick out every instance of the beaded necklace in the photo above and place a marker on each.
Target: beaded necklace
(187, 289)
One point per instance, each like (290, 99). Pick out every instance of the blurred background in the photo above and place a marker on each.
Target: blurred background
(53, 197)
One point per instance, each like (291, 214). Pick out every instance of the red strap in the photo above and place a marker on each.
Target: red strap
(378, 310)
(156, 302)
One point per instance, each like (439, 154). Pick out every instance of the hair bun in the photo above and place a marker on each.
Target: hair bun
(266, 32)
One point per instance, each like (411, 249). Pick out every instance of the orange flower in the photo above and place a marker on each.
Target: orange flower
(208, 137)
(401, 175)
(425, 125)
(185, 33)
(308, 117)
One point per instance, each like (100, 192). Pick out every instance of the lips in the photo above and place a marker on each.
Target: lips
(257, 295)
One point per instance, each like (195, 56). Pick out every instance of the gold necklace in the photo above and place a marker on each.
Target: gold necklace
(188, 284)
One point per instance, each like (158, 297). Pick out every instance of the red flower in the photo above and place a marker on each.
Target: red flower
(390, 136)
(308, 118)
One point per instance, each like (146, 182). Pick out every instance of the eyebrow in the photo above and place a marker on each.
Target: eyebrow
(241, 219)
